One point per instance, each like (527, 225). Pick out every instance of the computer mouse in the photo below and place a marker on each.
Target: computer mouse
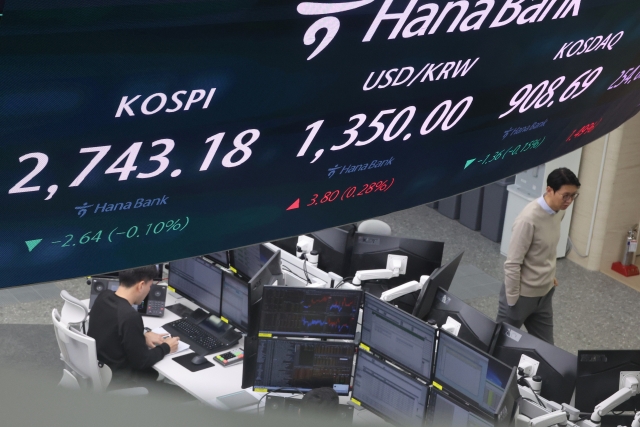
(198, 360)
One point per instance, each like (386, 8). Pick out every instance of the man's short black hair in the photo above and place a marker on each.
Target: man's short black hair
(130, 277)
(320, 401)
(560, 177)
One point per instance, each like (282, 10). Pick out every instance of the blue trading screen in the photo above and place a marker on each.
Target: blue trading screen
(470, 374)
(389, 392)
(399, 336)
(443, 411)
(322, 313)
(296, 365)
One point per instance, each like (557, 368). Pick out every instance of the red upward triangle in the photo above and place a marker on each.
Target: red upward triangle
(295, 205)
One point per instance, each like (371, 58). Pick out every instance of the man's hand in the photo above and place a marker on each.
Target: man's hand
(152, 339)
(173, 343)
(555, 282)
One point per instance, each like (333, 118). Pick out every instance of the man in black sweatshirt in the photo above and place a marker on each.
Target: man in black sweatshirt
(121, 341)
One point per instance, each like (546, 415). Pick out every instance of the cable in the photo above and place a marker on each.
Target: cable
(304, 268)
(344, 280)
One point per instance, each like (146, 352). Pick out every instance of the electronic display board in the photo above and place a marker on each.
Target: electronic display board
(140, 131)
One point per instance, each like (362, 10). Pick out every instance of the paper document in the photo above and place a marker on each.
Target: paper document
(182, 346)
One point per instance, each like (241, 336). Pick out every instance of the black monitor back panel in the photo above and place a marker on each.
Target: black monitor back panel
(599, 377)
(441, 278)
(371, 252)
(476, 328)
(558, 368)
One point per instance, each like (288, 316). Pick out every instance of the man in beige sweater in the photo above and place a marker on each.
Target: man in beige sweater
(530, 269)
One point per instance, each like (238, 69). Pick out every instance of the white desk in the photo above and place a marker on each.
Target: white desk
(206, 385)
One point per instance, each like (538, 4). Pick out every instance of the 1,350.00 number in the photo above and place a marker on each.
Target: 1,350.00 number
(445, 115)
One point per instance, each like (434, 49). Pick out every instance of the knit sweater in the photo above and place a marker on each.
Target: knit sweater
(531, 260)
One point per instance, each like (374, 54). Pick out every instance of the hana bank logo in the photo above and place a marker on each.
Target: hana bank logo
(329, 23)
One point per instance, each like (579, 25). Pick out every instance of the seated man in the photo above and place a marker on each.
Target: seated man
(121, 341)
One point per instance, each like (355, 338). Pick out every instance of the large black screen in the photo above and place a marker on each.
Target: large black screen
(134, 132)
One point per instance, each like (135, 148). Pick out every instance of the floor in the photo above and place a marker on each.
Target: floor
(592, 310)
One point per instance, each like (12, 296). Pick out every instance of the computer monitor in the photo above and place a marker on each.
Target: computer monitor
(287, 244)
(475, 377)
(476, 328)
(269, 274)
(241, 300)
(333, 246)
(197, 280)
(293, 366)
(398, 336)
(370, 252)
(441, 278)
(389, 392)
(249, 260)
(445, 410)
(234, 308)
(220, 258)
(599, 377)
(558, 368)
(310, 312)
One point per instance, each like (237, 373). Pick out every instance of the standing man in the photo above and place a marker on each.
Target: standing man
(530, 269)
(121, 341)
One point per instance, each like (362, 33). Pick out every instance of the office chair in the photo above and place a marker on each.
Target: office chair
(82, 370)
(74, 312)
(374, 226)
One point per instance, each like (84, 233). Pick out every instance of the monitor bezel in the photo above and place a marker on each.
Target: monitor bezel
(268, 289)
(450, 390)
(193, 300)
(391, 359)
(368, 407)
(271, 389)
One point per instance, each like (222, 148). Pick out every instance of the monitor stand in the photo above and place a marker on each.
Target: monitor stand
(180, 310)
(199, 315)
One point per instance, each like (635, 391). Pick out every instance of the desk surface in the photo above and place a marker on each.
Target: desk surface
(206, 385)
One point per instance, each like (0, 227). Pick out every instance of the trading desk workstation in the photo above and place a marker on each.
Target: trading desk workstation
(371, 316)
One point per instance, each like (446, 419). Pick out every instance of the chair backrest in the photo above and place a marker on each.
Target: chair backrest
(374, 226)
(78, 352)
(74, 312)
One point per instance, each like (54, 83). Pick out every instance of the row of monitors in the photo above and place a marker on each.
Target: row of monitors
(343, 251)
(332, 313)
(231, 297)
(464, 377)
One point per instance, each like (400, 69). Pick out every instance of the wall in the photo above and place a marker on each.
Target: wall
(618, 203)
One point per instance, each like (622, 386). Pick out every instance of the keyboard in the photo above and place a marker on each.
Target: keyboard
(195, 336)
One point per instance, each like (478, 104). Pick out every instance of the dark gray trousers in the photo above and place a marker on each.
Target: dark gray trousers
(536, 313)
